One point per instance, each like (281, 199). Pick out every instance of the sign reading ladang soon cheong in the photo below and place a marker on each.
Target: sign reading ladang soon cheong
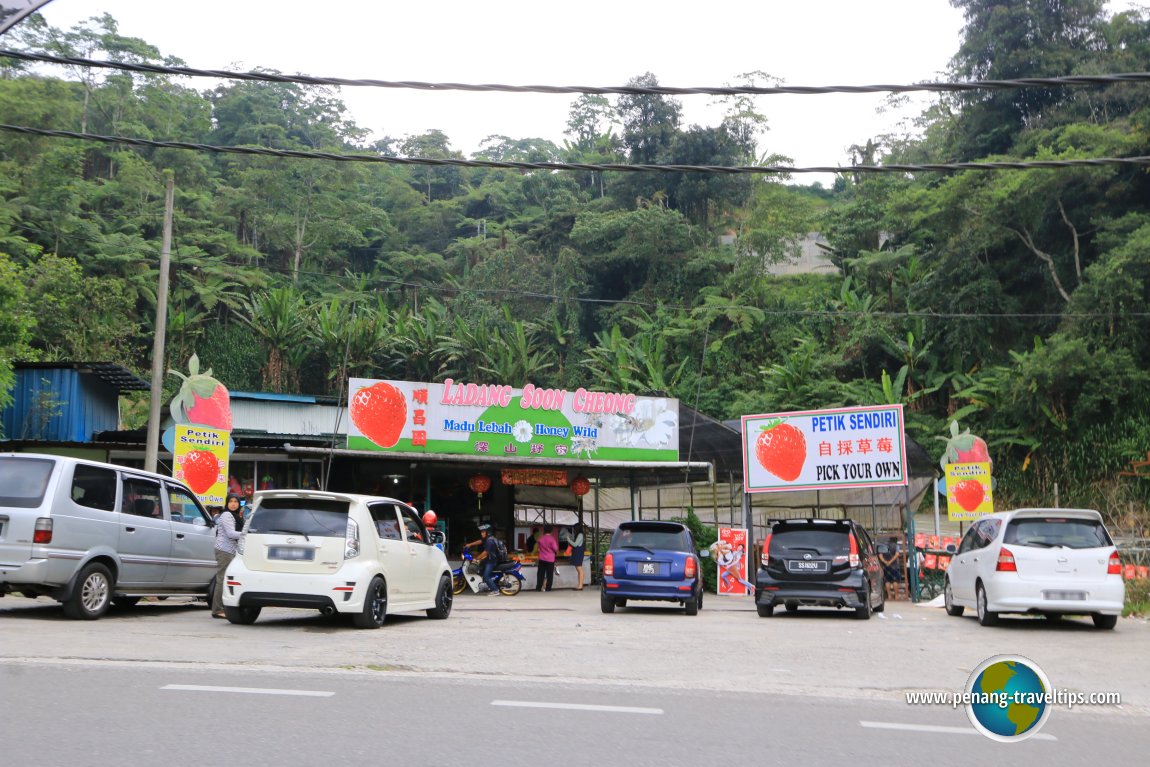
(502, 421)
(812, 449)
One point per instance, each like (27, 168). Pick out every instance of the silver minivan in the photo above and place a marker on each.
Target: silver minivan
(91, 534)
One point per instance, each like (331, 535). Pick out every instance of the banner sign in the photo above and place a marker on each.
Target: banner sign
(969, 491)
(504, 422)
(824, 449)
(201, 461)
(730, 555)
(535, 477)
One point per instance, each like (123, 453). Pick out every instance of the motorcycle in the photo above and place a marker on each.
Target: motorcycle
(470, 573)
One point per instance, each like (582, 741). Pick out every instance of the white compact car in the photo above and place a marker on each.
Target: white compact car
(365, 556)
(1051, 562)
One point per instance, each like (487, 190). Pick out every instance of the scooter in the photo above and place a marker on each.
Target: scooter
(470, 573)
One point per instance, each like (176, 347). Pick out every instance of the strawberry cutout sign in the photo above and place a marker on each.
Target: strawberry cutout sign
(963, 448)
(202, 399)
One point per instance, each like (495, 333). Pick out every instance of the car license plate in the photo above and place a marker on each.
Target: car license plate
(648, 568)
(1065, 595)
(287, 552)
(806, 566)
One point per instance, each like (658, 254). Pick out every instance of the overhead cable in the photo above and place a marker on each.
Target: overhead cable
(1141, 160)
(636, 90)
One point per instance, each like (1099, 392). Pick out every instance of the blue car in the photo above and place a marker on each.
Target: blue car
(652, 561)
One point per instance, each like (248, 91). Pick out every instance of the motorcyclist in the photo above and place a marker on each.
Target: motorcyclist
(489, 557)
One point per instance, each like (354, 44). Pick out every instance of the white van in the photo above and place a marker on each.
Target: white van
(90, 534)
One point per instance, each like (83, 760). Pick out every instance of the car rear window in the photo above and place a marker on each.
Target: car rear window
(319, 517)
(23, 481)
(1048, 532)
(825, 541)
(651, 537)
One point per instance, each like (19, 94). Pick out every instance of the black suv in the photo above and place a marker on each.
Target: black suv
(820, 562)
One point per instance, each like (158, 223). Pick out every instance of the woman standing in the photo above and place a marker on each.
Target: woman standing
(229, 523)
(576, 541)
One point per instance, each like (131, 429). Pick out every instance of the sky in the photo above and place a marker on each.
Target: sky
(591, 43)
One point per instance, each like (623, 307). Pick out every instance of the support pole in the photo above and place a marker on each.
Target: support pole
(152, 447)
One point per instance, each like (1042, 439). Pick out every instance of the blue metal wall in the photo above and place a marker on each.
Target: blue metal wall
(60, 405)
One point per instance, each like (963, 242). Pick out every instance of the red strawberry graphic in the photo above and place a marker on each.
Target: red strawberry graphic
(781, 449)
(379, 411)
(969, 494)
(202, 399)
(201, 470)
(963, 448)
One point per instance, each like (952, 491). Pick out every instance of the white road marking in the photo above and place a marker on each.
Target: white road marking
(577, 707)
(938, 728)
(248, 690)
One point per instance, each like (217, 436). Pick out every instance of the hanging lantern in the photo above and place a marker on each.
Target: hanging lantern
(479, 483)
(580, 486)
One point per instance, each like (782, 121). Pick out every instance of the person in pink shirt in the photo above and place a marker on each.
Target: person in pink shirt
(545, 571)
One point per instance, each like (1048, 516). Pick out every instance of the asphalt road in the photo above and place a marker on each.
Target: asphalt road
(547, 679)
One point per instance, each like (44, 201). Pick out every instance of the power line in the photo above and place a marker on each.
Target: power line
(1141, 160)
(660, 90)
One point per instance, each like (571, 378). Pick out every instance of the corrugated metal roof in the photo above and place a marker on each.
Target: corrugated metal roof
(117, 376)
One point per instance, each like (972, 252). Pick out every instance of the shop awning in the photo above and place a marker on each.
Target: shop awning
(608, 472)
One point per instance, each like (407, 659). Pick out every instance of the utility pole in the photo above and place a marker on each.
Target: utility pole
(152, 449)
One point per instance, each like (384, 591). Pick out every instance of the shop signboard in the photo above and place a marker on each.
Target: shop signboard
(501, 421)
(201, 461)
(824, 449)
(969, 491)
(730, 555)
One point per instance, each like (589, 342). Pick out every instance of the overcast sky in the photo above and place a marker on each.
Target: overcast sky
(592, 42)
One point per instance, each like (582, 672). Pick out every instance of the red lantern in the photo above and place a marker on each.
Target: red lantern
(479, 483)
(580, 486)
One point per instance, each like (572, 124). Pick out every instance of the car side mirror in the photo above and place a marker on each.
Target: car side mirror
(951, 548)
(883, 549)
(436, 537)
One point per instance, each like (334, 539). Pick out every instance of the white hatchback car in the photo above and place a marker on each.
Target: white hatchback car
(1051, 562)
(361, 555)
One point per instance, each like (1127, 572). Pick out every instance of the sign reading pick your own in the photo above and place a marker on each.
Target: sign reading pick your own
(814, 449)
(498, 420)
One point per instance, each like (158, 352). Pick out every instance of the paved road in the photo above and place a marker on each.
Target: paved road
(809, 680)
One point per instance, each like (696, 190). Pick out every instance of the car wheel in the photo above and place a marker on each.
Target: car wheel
(374, 611)
(509, 585)
(242, 616)
(985, 616)
(125, 602)
(444, 597)
(765, 611)
(606, 603)
(1105, 621)
(93, 593)
(692, 605)
(791, 607)
(863, 613)
(952, 609)
(458, 585)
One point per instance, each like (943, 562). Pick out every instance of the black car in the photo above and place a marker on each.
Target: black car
(651, 560)
(819, 562)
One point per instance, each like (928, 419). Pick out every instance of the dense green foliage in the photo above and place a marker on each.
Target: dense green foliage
(1013, 301)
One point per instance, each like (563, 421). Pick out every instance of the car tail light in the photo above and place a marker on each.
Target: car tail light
(609, 565)
(240, 544)
(854, 555)
(351, 540)
(690, 568)
(765, 559)
(1114, 565)
(42, 533)
(1006, 561)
